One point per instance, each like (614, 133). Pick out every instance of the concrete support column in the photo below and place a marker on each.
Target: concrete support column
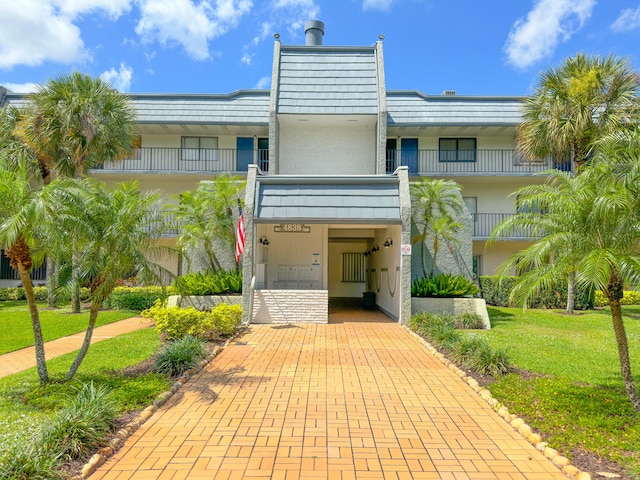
(405, 239)
(248, 263)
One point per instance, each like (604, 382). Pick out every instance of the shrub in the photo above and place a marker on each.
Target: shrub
(180, 355)
(83, 425)
(135, 298)
(209, 283)
(28, 461)
(630, 297)
(176, 322)
(472, 351)
(475, 352)
(496, 290)
(468, 320)
(443, 285)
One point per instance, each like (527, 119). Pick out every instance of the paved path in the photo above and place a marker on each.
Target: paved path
(20, 360)
(347, 400)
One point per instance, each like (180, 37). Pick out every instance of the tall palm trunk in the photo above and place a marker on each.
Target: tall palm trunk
(93, 316)
(571, 297)
(20, 257)
(614, 294)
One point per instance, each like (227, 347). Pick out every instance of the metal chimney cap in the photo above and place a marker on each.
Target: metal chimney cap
(314, 31)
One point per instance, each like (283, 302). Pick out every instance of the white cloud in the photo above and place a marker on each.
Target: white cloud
(189, 24)
(548, 23)
(113, 8)
(263, 84)
(629, 19)
(119, 79)
(247, 58)
(383, 5)
(34, 31)
(20, 87)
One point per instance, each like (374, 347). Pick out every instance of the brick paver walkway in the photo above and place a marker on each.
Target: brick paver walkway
(20, 360)
(348, 400)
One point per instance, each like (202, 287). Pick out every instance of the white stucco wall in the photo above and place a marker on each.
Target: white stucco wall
(385, 281)
(498, 253)
(299, 250)
(340, 150)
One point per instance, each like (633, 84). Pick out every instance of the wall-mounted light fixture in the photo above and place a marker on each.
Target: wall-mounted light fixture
(375, 249)
(366, 253)
(387, 243)
(263, 240)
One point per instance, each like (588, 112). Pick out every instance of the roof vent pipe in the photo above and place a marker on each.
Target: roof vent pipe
(314, 30)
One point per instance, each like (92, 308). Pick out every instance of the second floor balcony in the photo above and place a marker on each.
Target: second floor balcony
(484, 223)
(184, 160)
(468, 163)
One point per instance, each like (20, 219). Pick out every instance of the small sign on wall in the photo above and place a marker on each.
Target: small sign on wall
(405, 249)
(315, 259)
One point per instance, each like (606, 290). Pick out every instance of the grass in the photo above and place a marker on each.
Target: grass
(577, 399)
(25, 405)
(15, 323)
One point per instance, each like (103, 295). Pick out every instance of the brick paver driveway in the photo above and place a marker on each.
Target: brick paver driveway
(338, 401)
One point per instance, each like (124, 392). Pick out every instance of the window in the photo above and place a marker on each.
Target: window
(263, 154)
(392, 150)
(199, 148)
(353, 267)
(9, 273)
(457, 150)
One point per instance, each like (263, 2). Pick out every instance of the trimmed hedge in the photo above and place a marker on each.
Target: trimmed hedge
(495, 291)
(631, 297)
(136, 298)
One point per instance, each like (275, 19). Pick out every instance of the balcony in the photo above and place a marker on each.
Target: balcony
(219, 160)
(467, 163)
(483, 224)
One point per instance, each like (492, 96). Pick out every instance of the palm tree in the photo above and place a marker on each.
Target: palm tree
(118, 236)
(75, 123)
(577, 103)
(206, 216)
(439, 204)
(21, 215)
(589, 227)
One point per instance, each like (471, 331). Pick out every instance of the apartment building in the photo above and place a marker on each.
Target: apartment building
(328, 154)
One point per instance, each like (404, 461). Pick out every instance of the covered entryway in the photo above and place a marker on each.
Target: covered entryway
(319, 237)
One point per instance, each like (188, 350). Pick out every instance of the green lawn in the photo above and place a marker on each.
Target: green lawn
(577, 400)
(15, 323)
(24, 404)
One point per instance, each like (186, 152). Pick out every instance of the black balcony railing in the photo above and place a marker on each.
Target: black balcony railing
(484, 223)
(158, 159)
(476, 162)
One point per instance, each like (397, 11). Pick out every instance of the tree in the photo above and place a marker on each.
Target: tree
(21, 215)
(440, 204)
(206, 216)
(75, 123)
(589, 226)
(575, 104)
(118, 235)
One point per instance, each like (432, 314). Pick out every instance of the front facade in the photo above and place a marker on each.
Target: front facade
(329, 154)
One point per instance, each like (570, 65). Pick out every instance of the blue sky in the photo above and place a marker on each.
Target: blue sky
(476, 47)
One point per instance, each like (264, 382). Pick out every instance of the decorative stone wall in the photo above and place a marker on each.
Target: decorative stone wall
(291, 306)
(453, 306)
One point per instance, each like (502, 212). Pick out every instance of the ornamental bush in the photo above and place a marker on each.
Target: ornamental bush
(443, 285)
(136, 298)
(209, 283)
(177, 322)
(496, 290)
(630, 297)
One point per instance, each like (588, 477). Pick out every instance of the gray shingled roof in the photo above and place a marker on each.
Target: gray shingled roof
(325, 200)
(328, 80)
(239, 108)
(244, 107)
(415, 108)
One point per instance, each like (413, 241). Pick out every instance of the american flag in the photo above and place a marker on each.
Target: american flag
(240, 233)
